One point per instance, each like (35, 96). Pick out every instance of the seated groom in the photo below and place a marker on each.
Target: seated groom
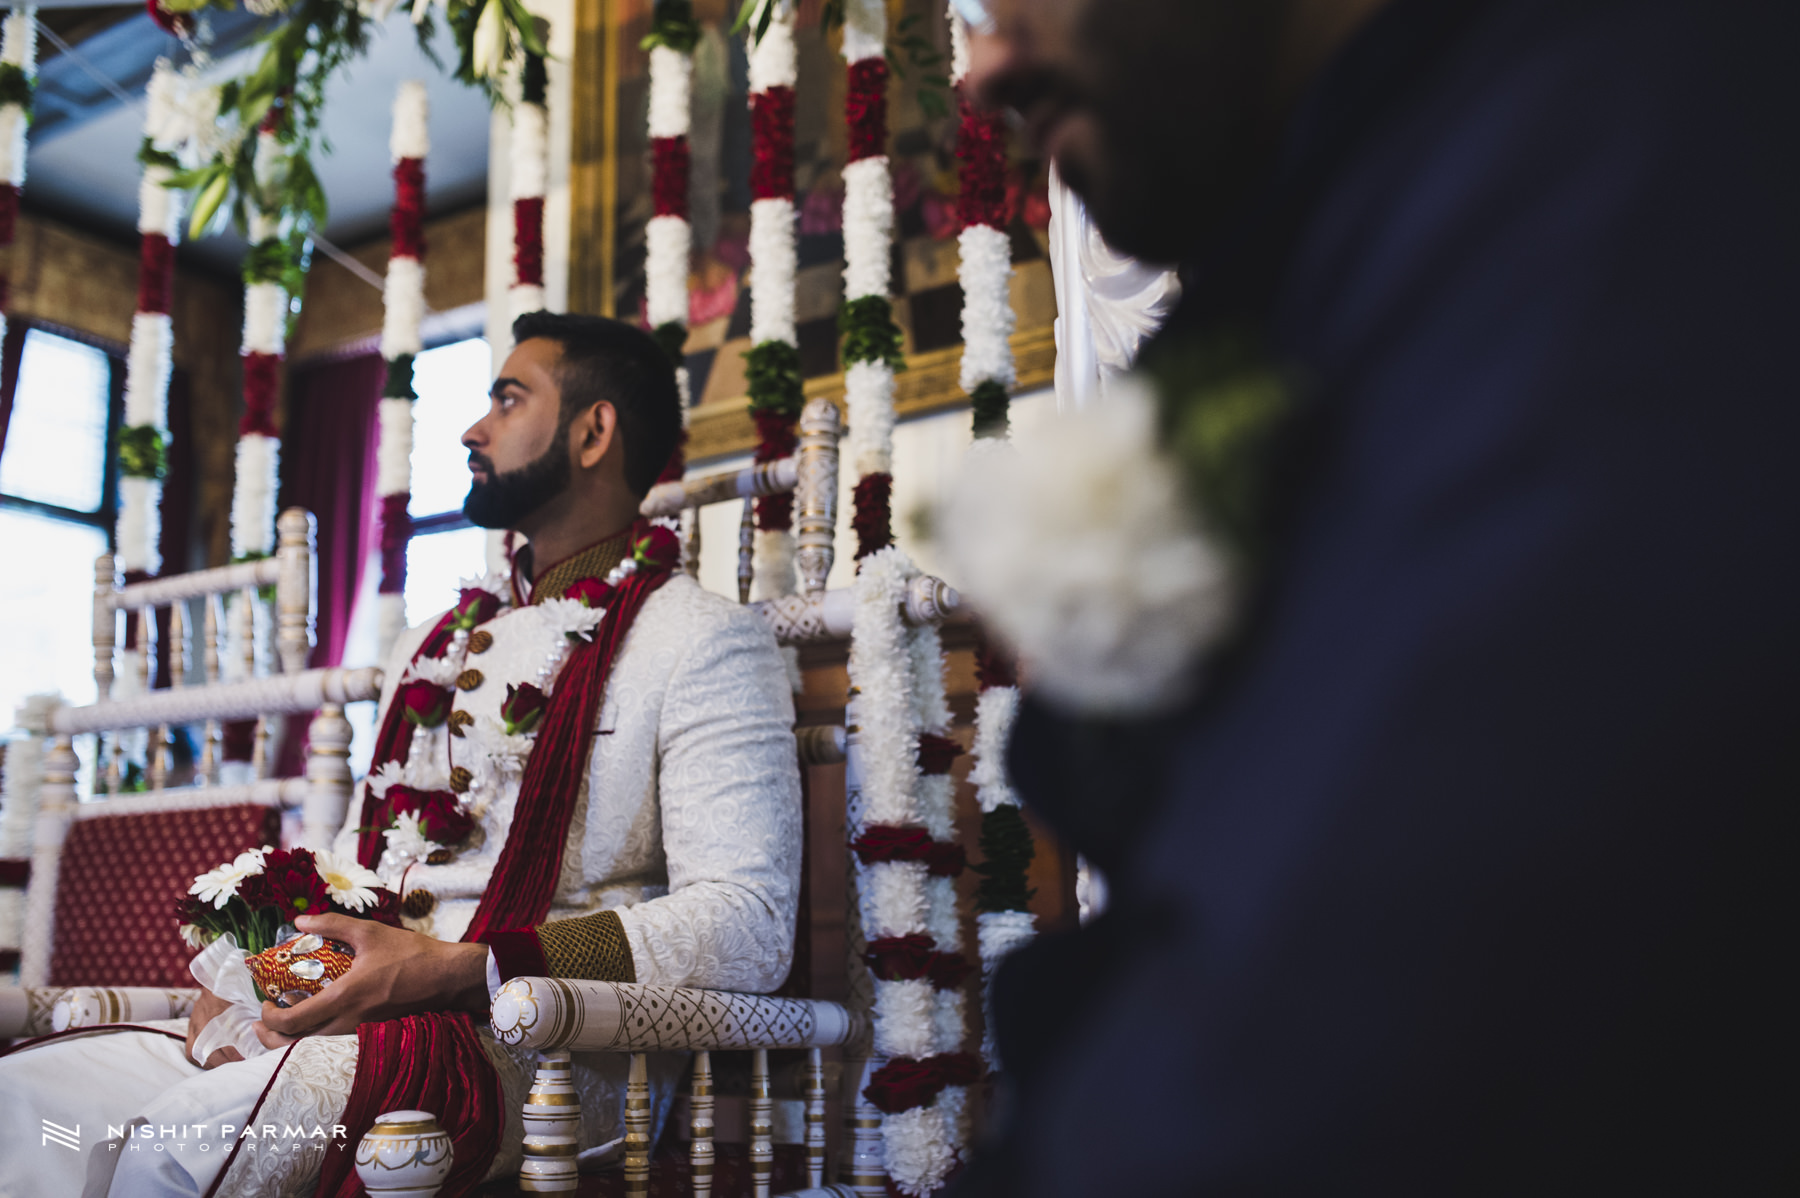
(642, 824)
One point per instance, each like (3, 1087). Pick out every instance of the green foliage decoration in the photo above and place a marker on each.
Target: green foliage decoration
(1006, 851)
(672, 26)
(773, 376)
(870, 334)
(143, 452)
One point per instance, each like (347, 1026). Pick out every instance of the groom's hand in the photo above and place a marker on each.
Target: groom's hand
(396, 973)
(205, 1008)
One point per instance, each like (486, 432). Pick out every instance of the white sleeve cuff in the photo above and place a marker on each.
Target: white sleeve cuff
(493, 976)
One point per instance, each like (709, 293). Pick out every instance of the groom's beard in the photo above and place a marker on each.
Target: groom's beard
(504, 500)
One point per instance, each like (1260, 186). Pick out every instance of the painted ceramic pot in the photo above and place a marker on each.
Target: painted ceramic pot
(299, 968)
(405, 1155)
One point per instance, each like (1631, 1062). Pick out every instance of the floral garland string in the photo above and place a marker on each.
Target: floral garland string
(668, 238)
(872, 342)
(985, 269)
(903, 841)
(1004, 922)
(530, 171)
(18, 77)
(773, 361)
(403, 300)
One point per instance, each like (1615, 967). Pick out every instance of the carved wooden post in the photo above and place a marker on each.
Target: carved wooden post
(106, 625)
(328, 773)
(293, 588)
(815, 1118)
(56, 811)
(815, 493)
(746, 572)
(700, 1107)
(690, 541)
(762, 1125)
(208, 768)
(552, 1128)
(637, 1127)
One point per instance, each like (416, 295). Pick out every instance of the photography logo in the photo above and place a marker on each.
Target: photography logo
(66, 1137)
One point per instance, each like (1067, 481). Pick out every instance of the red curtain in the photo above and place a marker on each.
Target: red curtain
(328, 468)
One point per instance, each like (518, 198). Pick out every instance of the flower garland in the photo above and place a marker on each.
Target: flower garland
(773, 361)
(668, 237)
(872, 342)
(530, 163)
(985, 269)
(403, 301)
(143, 443)
(1004, 922)
(265, 339)
(18, 77)
(908, 862)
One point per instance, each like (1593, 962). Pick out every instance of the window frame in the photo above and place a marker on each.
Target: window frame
(105, 517)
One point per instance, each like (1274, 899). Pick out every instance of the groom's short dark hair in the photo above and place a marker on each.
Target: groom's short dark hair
(623, 365)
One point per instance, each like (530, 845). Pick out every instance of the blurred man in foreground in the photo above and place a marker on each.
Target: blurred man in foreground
(1465, 868)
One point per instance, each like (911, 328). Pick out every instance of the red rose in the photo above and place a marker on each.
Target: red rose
(475, 606)
(424, 704)
(944, 859)
(949, 970)
(659, 549)
(936, 753)
(294, 883)
(523, 708)
(902, 1084)
(441, 818)
(386, 909)
(885, 842)
(901, 958)
(957, 1068)
(590, 592)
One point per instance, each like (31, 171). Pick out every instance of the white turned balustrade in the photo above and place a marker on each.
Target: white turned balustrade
(280, 694)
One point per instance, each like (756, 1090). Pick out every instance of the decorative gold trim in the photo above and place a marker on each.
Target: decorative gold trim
(930, 383)
(542, 1151)
(414, 1127)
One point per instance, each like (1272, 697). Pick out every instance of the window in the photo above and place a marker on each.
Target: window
(452, 382)
(57, 495)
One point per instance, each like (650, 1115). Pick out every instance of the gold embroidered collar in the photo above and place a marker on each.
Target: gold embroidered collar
(596, 561)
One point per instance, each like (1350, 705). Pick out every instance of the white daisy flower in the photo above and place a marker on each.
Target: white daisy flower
(439, 671)
(192, 935)
(220, 886)
(495, 582)
(348, 884)
(571, 616)
(390, 774)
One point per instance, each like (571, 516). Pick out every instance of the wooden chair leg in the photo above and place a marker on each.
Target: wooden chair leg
(815, 1118)
(637, 1127)
(865, 1169)
(552, 1128)
(700, 1105)
(762, 1126)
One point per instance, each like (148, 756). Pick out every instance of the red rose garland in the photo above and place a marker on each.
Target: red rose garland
(668, 239)
(985, 269)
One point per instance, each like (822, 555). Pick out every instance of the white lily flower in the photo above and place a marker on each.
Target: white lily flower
(490, 42)
(348, 884)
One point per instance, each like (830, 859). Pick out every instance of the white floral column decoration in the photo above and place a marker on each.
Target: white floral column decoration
(403, 298)
(668, 238)
(872, 341)
(903, 840)
(530, 171)
(18, 76)
(985, 269)
(773, 373)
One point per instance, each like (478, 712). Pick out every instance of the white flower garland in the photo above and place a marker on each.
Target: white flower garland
(897, 678)
(868, 257)
(403, 316)
(253, 496)
(18, 47)
(529, 163)
(987, 316)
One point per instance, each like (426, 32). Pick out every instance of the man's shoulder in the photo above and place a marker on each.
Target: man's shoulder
(682, 607)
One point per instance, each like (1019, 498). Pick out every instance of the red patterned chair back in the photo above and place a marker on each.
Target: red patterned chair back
(119, 880)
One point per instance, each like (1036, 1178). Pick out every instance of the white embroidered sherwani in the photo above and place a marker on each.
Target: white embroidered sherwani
(688, 825)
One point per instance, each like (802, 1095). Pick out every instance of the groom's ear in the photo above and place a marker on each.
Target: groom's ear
(594, 433)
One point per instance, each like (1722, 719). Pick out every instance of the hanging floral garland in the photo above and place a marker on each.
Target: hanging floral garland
(143, 443)
(773, 372)
(908, 862)
(403, 313)
(18, 76)
(668, 237)
(1004, 922)
(985, 269)
(872, 343)
(530, 171)
(267, 270)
